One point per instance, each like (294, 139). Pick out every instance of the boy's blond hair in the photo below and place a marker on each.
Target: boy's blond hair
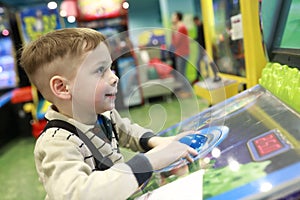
(59, 52)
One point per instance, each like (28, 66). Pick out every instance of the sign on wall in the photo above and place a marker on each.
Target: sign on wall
(36, 21)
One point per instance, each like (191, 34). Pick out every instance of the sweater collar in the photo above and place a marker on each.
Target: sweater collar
(52, 113)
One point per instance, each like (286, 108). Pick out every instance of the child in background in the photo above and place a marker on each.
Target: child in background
(71, 69)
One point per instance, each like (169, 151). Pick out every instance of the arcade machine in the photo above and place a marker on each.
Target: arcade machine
(249, 144)
(13, 90)
(110, 18)
(33, 21)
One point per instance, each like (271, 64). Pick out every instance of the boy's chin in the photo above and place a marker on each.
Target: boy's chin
(105, 109)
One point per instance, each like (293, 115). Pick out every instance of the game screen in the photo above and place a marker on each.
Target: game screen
(108, 31)
(114, 30)
(288, 37)
(8, 77)
(280, 30)
(117, 39)
(251, 149)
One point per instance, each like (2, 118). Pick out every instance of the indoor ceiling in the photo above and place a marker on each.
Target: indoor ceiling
(23, 3)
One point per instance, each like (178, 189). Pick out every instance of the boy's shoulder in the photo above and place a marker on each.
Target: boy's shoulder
(53, 135)
(56, 134)
(59, 141)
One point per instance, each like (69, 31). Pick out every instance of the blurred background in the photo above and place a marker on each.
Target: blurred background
(139, 33)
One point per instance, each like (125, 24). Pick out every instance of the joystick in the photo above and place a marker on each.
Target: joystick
(195, 141)
(202, 141)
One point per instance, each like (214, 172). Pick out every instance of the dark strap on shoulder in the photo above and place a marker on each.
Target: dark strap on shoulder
(102, 163)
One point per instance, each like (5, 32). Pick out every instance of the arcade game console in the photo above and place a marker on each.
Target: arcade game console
(259, 156)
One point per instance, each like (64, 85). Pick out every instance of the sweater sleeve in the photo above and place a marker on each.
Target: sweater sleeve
(141, 168)
(131, 135)
(62, 166)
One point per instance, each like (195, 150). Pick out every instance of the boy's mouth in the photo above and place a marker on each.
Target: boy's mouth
(110, 94)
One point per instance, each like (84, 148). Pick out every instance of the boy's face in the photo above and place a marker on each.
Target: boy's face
(95, 86)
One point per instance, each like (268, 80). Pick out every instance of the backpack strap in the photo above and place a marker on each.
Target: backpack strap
(102, 163)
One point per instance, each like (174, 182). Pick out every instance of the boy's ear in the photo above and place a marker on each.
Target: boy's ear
(59, 87)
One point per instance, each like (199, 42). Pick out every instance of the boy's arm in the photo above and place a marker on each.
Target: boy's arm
(64, 168)
(138, 138)
(131, 135)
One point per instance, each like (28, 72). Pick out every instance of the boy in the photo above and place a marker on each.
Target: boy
(71, 69)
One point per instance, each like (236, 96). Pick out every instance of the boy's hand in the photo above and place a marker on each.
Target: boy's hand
(156, 140)
(168, 152)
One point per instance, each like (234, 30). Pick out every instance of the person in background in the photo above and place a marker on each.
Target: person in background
(202, 55)
(71, 68)
(181, 44)
(201, 50)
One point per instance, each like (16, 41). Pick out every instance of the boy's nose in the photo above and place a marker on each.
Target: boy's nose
(115, 80)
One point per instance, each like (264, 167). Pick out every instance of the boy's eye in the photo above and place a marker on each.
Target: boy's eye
(101, 70)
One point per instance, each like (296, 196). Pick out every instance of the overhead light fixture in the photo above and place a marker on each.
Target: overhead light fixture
(71, 19)
(125, 5)
(52, 5)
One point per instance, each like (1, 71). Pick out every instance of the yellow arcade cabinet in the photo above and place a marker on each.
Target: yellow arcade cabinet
(234, 43)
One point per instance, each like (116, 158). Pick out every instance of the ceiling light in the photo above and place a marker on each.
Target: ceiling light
(52, 5)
